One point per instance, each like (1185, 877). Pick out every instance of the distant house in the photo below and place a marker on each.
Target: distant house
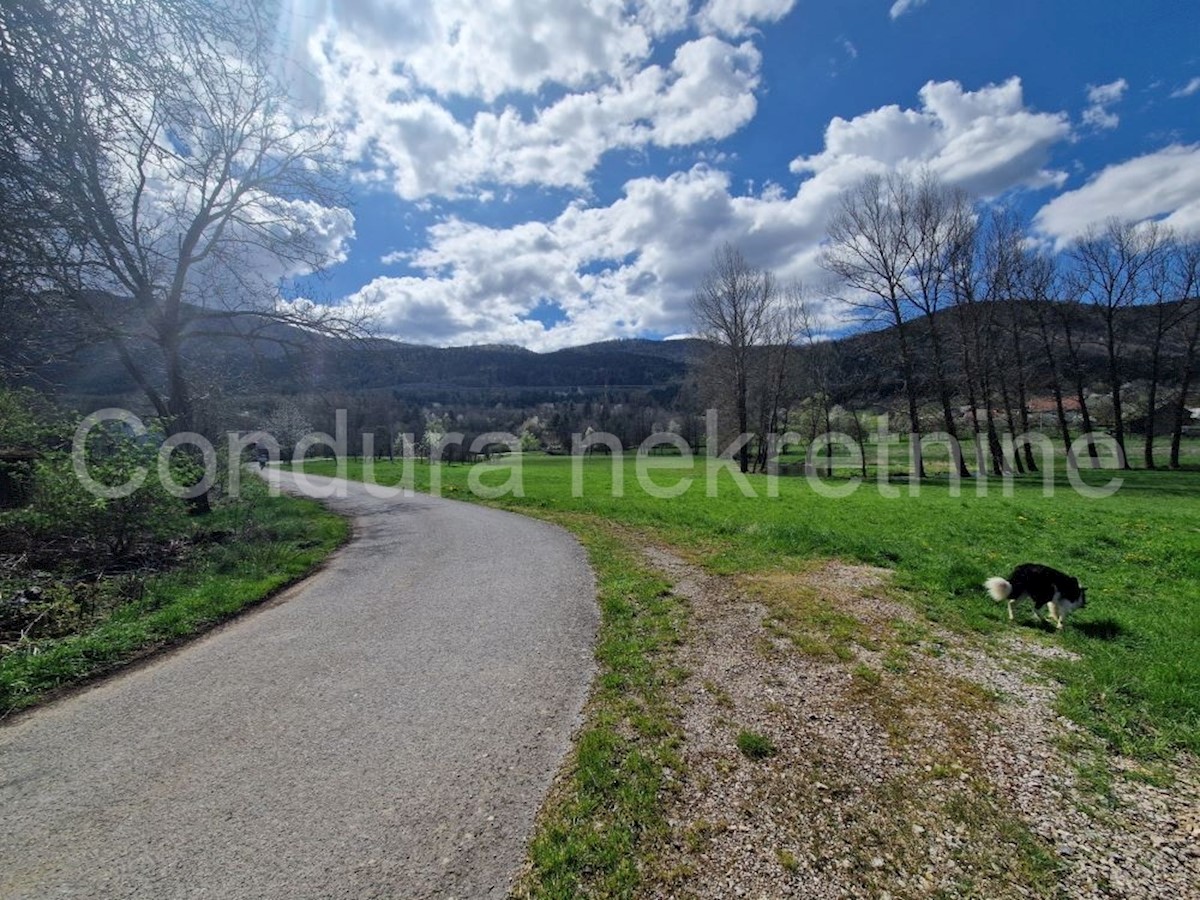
(1043, 412)
(1192, 428)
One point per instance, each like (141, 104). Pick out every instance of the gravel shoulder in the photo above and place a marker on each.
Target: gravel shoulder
(389, 728)
(911, 762)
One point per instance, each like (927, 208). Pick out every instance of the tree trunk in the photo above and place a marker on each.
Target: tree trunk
(1114, 381)
(1056, 389)
(1010, 420)
(182, 417)
(743, 413)
(944, 396)
(916, 463)
(828, 439)
(1185, 385)
(970, 377)
(999, 462)
(1152, 403)
(860, 438)
(1022, 395)
(984, 352)
(1077, 380)
(1181, 415)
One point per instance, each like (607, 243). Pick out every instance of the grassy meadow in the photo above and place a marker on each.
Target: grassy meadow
(1137, 682)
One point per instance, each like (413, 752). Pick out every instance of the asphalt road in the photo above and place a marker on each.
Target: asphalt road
(388, 730)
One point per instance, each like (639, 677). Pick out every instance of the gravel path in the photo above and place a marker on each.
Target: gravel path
(924, 764)
(389, 728)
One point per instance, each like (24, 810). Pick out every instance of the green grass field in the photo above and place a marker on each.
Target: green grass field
(1137, 683)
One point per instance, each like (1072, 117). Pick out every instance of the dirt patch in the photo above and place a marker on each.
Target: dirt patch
(908, 762)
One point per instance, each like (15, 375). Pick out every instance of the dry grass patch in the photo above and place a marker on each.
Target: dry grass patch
(877, 787)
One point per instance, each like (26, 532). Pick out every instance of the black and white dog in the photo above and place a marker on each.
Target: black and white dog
(1044, 586)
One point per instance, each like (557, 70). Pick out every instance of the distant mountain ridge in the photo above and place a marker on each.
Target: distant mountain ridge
(286, 360)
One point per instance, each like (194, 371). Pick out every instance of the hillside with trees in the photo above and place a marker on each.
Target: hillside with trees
(982, 331)
(630, 386)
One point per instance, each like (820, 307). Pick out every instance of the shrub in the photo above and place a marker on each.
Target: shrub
(65, 522)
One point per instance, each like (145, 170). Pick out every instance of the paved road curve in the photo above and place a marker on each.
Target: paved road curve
(388, 731)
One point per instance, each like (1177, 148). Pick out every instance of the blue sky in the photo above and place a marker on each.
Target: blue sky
(553, 172)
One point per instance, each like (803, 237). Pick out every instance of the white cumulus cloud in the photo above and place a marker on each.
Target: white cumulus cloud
(736, 17)
(484, 50)
(1100, 98)
(1162, 185)
(418, 145)
(629, 267)
(987, 140)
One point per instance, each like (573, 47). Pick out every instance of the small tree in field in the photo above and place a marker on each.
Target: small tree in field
(870, 250)
(732, 310)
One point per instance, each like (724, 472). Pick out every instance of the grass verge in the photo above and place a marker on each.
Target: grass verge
(273, 542)
(604, 816)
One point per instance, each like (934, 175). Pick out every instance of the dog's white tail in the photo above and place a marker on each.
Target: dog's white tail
(999, 588)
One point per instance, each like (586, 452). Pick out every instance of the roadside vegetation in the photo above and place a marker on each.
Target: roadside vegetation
(88, 584)
(605, 809)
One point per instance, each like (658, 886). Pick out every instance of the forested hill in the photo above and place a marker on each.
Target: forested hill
(283, 360)
(610, 364)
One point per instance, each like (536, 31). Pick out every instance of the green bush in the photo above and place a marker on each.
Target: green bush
(64, 522)
(30, 421)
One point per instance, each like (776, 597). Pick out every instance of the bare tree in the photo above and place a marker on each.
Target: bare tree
(162, 184)
(937, 217)
(1069, 316)
(970, 326)
(1171, 279)
(870, 251)
(1039, 292)
(1028, 264)
(1113, 264)
(288, 424)
(976, 324)
(1188, 262)
(732, 310)
(778, 360)
(819, 365)
(854, 383)
(1008, 263)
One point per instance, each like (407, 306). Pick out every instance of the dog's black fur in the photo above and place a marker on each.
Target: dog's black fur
(1040, 583)
(1044, 586)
